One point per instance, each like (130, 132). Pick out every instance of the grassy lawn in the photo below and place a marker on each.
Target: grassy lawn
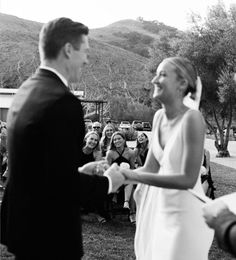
(114, 240)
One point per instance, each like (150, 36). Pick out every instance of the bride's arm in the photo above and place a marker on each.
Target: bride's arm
(151, 165)
(193, 137)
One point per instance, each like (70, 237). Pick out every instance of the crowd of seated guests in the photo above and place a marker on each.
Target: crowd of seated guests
(113, 148)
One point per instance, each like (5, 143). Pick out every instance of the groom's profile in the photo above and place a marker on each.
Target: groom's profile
(40, 214)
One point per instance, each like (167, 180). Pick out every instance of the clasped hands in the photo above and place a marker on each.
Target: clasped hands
(118, 175)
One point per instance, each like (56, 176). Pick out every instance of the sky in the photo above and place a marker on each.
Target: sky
(100, 13)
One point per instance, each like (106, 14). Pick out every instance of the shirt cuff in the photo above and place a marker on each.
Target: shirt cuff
(109, 184)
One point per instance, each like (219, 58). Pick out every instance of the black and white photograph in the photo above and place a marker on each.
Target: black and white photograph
(118, 130)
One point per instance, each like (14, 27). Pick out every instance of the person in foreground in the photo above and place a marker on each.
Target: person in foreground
(170, 225)
(40, 214)
(220, 218)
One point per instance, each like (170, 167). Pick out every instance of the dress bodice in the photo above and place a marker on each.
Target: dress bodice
(121, 158)
(169, 222)
(170, 160)
(170, 156)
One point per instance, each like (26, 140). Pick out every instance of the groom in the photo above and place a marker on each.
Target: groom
(40, 214)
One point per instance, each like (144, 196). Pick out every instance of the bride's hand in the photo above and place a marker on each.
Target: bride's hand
(130, 176)
(97, 167)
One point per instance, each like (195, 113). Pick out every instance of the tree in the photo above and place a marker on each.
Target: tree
(211, 45)
(124, 108)
(165, 46)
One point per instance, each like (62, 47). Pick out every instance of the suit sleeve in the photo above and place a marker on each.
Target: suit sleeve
(65, 140)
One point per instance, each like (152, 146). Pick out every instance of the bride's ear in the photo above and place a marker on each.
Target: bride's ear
(193, 96)
(183, 86)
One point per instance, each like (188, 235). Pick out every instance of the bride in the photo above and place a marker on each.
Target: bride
(170, 225)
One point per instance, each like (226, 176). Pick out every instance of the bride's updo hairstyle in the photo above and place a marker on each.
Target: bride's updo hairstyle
(185, 70)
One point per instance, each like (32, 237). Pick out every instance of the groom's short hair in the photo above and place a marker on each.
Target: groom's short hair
(56, 33)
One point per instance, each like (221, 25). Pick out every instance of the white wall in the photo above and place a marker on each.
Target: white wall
(6, 97)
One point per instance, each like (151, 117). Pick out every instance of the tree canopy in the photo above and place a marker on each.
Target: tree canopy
(211, 45)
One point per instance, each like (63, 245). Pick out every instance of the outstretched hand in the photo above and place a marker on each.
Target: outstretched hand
(115, 175)
(97, 167)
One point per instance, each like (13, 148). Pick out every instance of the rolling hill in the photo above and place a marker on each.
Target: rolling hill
(136, 36)
(119, 55)
(19, 57)
(18, 48)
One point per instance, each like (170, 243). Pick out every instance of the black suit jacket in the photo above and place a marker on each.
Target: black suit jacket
(40, 214)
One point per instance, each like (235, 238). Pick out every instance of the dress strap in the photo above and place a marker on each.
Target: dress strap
(120, 154)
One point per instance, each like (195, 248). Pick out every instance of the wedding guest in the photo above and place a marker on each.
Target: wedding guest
(140, 152)
(91, 148)
(206, 178)
(121, 154)
(91, 153)
(97, 127)
(3, 150)
(106, 138)
(141, 149)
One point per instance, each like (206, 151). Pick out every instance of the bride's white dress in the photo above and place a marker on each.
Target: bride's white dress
(170, 225)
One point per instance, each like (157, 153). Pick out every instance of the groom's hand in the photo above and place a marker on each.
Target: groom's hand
(116, 176)
(97, 167)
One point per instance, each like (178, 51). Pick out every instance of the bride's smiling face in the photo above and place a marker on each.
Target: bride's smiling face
(166, 83)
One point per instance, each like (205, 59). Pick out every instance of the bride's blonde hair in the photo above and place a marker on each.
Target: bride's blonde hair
(185, 70)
